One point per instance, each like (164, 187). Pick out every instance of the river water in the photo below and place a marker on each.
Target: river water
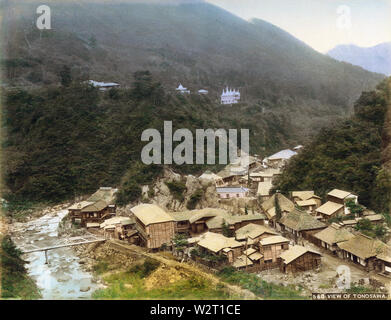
(62, 277)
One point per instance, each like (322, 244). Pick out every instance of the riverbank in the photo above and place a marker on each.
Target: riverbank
(122, 269)
(126, 272)
(62, 277)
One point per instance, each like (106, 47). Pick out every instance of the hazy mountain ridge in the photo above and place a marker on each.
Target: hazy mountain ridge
(375, 59)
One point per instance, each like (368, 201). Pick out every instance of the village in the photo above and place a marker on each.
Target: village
(264, 232)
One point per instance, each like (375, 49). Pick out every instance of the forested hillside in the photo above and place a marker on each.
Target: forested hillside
(348, 156)
(63, 138)
(67, 141)
(197, 44)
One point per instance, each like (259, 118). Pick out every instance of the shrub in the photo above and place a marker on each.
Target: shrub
(14, 281)
(364, 225)
(145, 269)
(194, 199)
(180, 241)
(177, 189)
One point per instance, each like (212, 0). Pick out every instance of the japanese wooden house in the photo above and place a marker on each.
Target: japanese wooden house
(308, 205)
(271, 248)
(280, 158)
(329, 210)
(329, 238)
(217, 244)
(300, 224)
(340, 196)
(297, 196)
(121, 228)
(212, 219)
(263, 191)
(269, 209)
(364, 251)
(254, 233)
(298, 259)
(91, 214)
(155, 226)
(384, 261)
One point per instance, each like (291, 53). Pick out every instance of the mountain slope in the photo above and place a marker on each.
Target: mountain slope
(66, 141)
(198, 44)
(63, 142)
(375, 59)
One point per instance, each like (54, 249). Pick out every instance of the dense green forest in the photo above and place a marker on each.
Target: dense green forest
(65, 141)
(347, 156)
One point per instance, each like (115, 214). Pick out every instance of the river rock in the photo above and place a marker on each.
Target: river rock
(84, 288)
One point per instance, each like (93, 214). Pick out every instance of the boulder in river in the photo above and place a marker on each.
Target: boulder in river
(84, 288)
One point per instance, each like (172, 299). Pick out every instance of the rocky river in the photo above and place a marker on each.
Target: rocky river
(63, 276)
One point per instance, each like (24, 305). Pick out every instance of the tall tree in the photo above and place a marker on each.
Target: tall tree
(277, 208)
(65, 75)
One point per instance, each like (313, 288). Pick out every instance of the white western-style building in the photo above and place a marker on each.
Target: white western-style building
(230, 96)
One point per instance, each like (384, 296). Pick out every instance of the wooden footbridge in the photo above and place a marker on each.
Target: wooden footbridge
(62, 243)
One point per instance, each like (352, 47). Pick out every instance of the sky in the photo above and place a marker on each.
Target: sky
(322, 24)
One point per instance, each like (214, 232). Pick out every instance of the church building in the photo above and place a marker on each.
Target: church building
(230, 96)
(182, 89)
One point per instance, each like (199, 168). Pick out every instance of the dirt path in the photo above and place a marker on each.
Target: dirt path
(236, 290)
(330, 264)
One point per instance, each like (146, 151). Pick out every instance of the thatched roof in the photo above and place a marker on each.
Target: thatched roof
(334, 234)
(150, 213)
(202, 215)
(266, 173)
(249, 217)
(252, 231)
(104, 193)
(273, 240)
(295, 252)
(264, 188)
(249, 251)
(364, 247)
(95, 207)
(340, 194)
(80, 205)
(242, 261)
(303, 195)
(285, 205)
(216, 242)
(214, 217)
(385, 255)
(329, 208)
(306, 203)
(300, 221)
(255, 256)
